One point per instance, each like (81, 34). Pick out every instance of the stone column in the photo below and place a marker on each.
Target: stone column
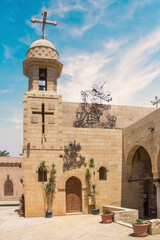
(33, 75)
(51, 79)
(158, 199)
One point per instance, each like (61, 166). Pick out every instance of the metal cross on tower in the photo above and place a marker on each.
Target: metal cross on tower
(156, 102)
(44, 22)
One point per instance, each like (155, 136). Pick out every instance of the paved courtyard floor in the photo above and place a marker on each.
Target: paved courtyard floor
(71, 227)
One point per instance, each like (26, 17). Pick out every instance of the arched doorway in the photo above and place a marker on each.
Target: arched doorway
(143, 190)
(8, 188)
(73, 195)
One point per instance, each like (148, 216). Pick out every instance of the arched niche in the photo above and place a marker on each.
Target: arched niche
(42, 175)
(102, 173)
(8, 188)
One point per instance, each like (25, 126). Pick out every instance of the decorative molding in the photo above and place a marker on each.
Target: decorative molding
(16, 164)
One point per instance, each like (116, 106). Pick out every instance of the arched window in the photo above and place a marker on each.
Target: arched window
(42, 175)
(8, 188)
(102, 173)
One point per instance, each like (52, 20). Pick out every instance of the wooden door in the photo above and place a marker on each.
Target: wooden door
(8, 188)
(73, 195)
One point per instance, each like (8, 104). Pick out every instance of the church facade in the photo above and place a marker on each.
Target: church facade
(69, 135)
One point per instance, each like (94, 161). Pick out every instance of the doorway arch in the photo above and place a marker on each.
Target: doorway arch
(73, 195)
(142, 190)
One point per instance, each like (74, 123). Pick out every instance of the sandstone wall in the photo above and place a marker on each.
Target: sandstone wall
(136, 135)
(105, 146)
(14, 174)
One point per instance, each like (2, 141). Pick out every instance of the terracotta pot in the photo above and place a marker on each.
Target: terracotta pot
(140, 230)
(21, 214)
(107, 218)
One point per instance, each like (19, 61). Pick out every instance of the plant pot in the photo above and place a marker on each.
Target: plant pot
(140, 230)
(21, 214)
(107, 218)
(48, 214)
(95, 211)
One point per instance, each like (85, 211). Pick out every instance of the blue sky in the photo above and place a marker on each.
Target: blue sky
(117, 41)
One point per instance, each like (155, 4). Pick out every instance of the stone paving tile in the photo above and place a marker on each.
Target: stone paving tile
(83, 227)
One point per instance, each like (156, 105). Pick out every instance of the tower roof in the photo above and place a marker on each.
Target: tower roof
(42, 48)
(42, 43)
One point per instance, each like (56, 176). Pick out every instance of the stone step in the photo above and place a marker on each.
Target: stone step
(74, 213)
(124, 224)
(9, 203)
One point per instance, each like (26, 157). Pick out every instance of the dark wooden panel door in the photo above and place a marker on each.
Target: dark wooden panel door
(8, 188)
(73, 195)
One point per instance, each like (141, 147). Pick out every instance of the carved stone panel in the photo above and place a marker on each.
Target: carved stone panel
(34, 119)
(51, 120)
(34, 105)
(51, 106)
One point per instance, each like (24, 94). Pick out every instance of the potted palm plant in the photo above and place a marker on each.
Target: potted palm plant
(95, 210)
(21, 201)
(90, 176)
(140, 228)
(107, 216)
(49, 191)
(49, 188)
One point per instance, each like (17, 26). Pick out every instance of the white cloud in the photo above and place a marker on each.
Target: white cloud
(8, 52)
(15, 120)
(95, 11)
(61, 8)
(26, 39)
(5, 91)
(134, 5)
(128, 70)
(19, 127)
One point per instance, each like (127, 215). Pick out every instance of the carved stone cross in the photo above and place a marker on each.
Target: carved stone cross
(44, 22)
(43, 113)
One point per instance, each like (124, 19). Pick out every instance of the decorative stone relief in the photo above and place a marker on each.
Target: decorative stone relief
(72, 158)
(94, 116)
(42, 52)
(11, 164)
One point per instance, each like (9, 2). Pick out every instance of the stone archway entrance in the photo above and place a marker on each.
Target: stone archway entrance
(73, 195)
(142, 187)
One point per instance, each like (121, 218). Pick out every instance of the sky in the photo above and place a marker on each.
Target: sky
(117, 41)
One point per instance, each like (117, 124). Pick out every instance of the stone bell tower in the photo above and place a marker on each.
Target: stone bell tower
(42, 119)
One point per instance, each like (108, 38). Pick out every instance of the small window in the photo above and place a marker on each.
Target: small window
(42, 175)
(43, 79)
(8, 188)
(102, 173)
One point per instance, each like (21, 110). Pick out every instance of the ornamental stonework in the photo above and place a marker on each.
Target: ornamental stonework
(42, 52)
